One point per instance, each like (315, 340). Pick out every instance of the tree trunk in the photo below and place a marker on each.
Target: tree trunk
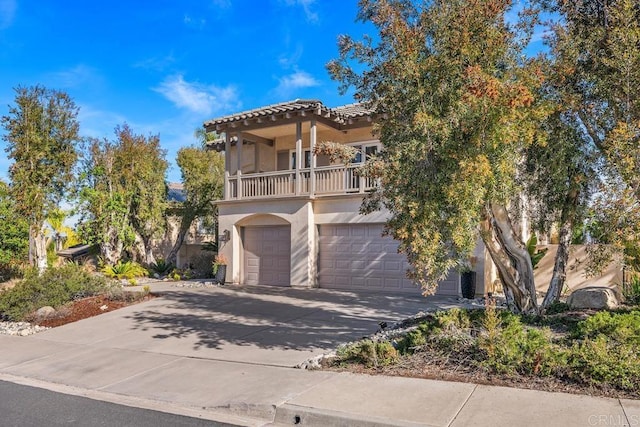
(511, 258)
(559, 275)
(185, 224)
(111, 250)
(37, 247)
(149, 258)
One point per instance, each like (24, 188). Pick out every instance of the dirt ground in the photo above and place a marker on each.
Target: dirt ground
(88, 307)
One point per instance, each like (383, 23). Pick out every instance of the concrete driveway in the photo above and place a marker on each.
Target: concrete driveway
(262, 325)
(222, 354)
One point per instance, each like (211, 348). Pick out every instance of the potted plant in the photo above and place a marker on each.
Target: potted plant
(468, 279)
(220, 268)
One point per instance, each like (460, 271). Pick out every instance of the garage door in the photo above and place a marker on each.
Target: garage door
(267, 255)
(357, 257)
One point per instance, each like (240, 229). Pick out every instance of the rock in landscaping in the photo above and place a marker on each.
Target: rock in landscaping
(45, 312)
(595, 297)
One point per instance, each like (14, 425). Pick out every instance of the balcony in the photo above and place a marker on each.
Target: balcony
(323, 181)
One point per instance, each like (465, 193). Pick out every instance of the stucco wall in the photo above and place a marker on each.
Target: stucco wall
(303, 215)
(298, 213)
(577, 278)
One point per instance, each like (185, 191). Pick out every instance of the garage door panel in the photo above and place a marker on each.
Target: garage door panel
(358, 257)
(267, 255)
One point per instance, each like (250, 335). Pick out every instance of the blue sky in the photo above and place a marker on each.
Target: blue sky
(166, 66)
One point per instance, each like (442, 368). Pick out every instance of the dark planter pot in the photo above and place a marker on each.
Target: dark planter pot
(221, 274)
(468, 284)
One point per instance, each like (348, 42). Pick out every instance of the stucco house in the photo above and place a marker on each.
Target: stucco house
(291, 218)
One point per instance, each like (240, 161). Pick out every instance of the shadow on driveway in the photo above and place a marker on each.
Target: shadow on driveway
(279, 318)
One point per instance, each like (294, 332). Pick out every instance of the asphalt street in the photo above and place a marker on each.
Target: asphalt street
(22, 406)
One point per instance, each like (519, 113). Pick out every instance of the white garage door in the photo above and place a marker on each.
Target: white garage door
(357, 257)
(267, 255)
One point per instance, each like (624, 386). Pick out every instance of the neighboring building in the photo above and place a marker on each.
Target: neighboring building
(290, 222)
(191, 254)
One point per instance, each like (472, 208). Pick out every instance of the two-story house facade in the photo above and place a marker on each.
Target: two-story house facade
(291, 218)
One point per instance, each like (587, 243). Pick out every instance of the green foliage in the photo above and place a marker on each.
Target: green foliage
(622, 328)
(631, 290)
(536, 255)
(596, 63)
(55, 287)
(557, 307)
(125, 270)
(161, 267)
(14, 234)
(600, 361)
(203, 180)
(181, 274)
(601, 350)
(41, 137)
(122, 191)
(210, 246)
(456, 108)
(369, 353)
(513, 348)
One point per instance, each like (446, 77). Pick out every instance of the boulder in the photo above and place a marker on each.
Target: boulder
(595, 297)
(45, 312)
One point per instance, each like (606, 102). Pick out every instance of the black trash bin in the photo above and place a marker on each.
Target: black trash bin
(468, 284)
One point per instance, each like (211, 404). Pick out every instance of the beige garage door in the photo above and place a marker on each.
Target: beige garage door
(267, 255)
(357, 257)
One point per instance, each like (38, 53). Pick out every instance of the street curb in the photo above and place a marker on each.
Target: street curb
(290, 414)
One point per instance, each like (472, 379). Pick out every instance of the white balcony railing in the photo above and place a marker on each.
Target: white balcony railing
(327, 180)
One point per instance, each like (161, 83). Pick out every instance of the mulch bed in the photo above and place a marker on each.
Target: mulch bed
(88, 307)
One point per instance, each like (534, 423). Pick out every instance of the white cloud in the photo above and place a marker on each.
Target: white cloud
(73, 77)
(7, 12)
(295, 81)
(196, 97)
(306, 6)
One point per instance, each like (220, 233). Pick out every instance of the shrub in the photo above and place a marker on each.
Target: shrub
(54, 287)
(125, 270)
(181, 274)
(413, 340)
(161, 267)
(508, 347)
(369, 353)
(600, 361)
(631, 290)
(557, 307)
(622, 328)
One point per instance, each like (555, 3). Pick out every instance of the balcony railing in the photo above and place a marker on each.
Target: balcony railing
(326, 180)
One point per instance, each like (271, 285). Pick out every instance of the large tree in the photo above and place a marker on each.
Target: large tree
(203, 180)
(595, 49)
(41, 135)
(455, 100)
(14, 233)
(123, 193)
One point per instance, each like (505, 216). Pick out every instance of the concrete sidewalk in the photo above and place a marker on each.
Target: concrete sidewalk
(227, 356)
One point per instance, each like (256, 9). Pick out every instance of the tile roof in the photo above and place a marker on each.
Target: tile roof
(283, 107)
(338, 114)
(353, 110)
